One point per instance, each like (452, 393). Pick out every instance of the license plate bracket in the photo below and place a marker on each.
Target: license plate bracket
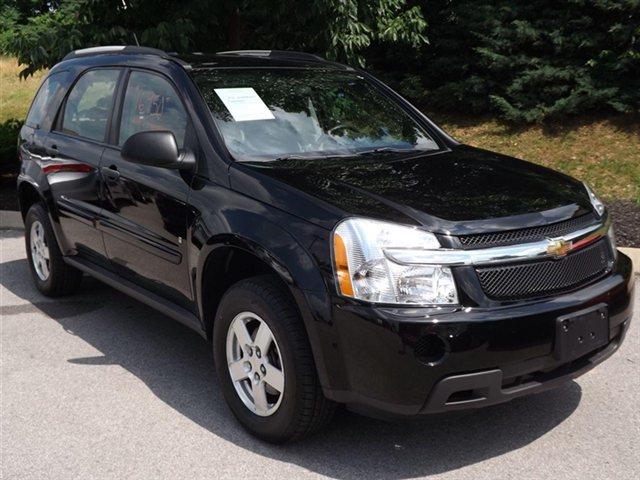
(581, 332)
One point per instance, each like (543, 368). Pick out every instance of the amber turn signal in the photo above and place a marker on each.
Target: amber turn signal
(342, 266)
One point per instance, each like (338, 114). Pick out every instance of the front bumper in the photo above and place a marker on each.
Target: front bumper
(383, 363)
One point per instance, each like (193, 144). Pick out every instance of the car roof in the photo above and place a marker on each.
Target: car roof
(259, 58)
(204, 61)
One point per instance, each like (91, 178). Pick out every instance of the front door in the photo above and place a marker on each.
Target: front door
(145, 216)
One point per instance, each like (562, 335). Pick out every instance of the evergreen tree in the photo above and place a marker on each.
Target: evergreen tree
(537, 60)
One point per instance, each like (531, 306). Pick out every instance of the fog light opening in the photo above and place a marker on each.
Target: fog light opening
(431, 349)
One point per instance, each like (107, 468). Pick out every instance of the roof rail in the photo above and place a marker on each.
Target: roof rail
(275, 54)
(125, 49)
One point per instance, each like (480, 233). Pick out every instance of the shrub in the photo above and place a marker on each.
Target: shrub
(9, 145)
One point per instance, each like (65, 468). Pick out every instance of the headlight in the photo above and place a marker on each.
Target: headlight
(595, 201)
(364, 272)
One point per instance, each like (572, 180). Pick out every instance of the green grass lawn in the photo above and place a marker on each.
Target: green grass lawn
(15, 94)
(605, 153)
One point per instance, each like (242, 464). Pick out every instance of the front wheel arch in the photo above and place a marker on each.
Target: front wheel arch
(301, 407)
(225, 266)
(219, 273)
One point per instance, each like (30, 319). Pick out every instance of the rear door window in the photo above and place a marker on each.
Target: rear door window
(88, 106)
(151, 103)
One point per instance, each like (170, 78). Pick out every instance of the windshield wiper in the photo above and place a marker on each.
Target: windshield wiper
(312, 157)
(388, 150)
(295, 156)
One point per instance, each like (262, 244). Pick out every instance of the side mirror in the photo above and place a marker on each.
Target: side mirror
(157, 148)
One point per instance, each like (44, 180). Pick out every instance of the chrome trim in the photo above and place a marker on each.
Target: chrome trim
(488, 256)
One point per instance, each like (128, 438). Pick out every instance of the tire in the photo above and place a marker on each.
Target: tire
(55, 278)
(302, 407)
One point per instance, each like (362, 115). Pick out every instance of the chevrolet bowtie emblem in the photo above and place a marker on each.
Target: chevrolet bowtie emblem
(558, 247)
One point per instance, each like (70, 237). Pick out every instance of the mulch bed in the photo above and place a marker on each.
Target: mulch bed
(8, 197)
(626, 213)
(626, 219)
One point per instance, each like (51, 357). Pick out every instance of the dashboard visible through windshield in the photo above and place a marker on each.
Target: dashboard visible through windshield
(266, 114)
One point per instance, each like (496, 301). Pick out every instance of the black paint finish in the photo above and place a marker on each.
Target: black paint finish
(77, 193)
(455, 190)
(157, 233)
(144, 225)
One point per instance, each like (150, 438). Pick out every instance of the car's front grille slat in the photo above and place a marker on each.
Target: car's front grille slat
(525, 235)
(546, 277)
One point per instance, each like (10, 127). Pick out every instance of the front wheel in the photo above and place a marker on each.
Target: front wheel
(264, 362)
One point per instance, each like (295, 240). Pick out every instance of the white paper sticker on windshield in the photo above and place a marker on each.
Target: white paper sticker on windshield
(244, 104)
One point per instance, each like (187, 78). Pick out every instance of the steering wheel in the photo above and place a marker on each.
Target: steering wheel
(342, 126)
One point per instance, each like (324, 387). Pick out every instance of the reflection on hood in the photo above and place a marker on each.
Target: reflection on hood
(464, 184)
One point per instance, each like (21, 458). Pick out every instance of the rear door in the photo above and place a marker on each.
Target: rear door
(33, 136)
(145, 215)
(75, 147)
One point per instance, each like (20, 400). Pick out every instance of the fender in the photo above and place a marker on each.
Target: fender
(255, 228)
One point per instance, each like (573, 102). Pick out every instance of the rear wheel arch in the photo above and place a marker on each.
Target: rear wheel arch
(28, 195)
(58, 278)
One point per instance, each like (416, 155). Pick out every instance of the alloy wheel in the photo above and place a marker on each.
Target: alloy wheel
(39, 251)
(255, 364)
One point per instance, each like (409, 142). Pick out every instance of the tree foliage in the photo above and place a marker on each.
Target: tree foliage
(40, 33)
(536, 60)
(528, 61)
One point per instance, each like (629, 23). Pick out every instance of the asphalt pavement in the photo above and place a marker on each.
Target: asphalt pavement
(99, 386)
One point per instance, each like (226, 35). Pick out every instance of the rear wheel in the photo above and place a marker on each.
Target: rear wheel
(50, 273)
(264, 362)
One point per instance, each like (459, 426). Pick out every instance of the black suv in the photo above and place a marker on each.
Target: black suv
(334, 245)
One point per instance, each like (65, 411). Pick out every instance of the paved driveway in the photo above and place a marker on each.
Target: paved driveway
(97, 385)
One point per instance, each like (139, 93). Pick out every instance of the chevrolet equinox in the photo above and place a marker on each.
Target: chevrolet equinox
(332, 243)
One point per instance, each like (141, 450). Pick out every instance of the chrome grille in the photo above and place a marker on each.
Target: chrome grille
(545, 277)
(526, 235)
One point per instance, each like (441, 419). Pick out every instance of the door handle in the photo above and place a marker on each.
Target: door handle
(53, 151)
(111, 172)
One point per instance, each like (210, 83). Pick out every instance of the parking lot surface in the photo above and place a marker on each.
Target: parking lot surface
(99, 386)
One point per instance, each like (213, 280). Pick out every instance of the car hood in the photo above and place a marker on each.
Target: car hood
(456, 191)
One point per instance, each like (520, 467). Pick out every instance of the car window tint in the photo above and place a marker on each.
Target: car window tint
(151, 103)
(40, 111)
(88, 106)
(265, 114)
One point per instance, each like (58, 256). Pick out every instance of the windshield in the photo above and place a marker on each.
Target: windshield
(264, 114)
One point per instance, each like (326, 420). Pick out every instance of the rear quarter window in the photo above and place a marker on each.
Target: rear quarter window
(44, 105)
